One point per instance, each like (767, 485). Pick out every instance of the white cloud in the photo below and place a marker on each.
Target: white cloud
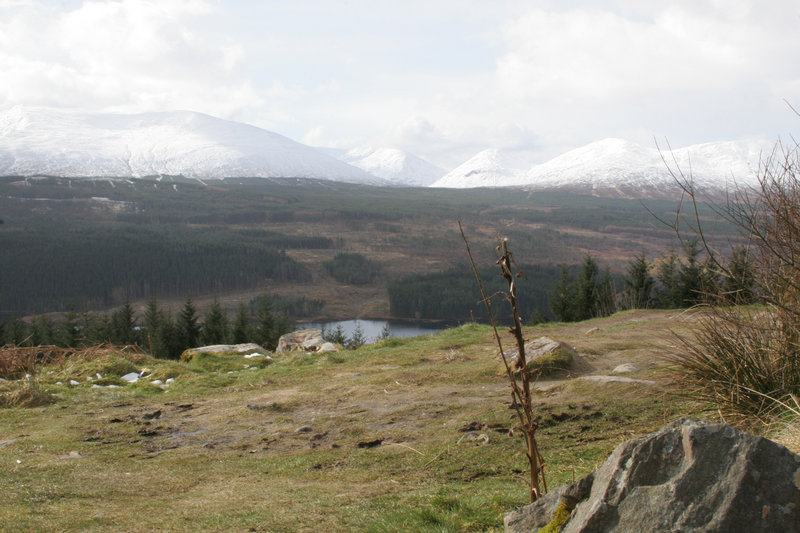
(125, 56)
(444, 79)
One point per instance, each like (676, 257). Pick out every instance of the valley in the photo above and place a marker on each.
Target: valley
(93, 244)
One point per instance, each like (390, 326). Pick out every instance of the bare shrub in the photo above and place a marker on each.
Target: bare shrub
(746, 361)
(16, 361)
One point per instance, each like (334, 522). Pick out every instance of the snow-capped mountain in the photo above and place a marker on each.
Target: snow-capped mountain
(619, 167)
(36, 141)
(489, 168)
(395, 166)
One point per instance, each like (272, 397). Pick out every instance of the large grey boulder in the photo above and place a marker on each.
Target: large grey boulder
(691, 476)
(545, 355)
(304, 340)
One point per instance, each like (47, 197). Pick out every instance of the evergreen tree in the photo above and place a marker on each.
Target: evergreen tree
(639, 283)
(586, 290)
(537, 317)
(357, 339)
(241, 329)
(739, 285)
(169, 341)
(158, 331)
(18, 332)
(95, 329)
(123, 325)
(281, 327)
(187, 327)
(669, 292)
(41, 331)
(386, 332)
(692, 289)
(215, 325)
(336, 336)
(66, 334)
(562, 302)
(606, 295)
(265, 324)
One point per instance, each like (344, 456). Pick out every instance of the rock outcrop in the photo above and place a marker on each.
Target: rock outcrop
(546, 355)
(242, 349)
(691, 476)
(305, 340)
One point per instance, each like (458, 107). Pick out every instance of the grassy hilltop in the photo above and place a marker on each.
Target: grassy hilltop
(405, 435)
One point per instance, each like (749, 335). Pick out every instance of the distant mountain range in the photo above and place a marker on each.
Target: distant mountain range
(615, 167)
(57, 143)
(42, 141)
(395, 166)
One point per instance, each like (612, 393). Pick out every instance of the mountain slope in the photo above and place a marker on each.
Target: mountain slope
(396, 166)
(489, 168)
(619, 167)
(45, 141)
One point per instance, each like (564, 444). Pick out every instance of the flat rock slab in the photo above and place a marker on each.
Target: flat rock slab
(225, 348)
(618, 379)
(689, 477)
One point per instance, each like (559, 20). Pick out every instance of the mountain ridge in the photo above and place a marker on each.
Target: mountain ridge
(619, 166)
(69, 144)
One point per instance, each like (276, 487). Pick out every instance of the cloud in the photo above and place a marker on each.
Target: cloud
(125, 56)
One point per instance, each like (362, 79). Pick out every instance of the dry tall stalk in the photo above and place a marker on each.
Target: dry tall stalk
(519, 376)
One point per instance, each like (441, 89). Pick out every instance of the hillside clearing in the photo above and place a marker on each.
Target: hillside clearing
(408, 435)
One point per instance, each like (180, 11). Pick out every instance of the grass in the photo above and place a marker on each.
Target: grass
(366, 440)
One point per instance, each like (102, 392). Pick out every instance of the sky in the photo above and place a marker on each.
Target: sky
(443, 79)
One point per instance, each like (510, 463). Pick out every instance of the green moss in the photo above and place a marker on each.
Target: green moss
(560, 517)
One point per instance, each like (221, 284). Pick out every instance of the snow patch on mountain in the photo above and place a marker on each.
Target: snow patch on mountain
(42, 141)
(622, 166)
(489, 168)
(395, 166)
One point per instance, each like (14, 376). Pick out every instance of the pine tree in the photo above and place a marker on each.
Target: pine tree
(66, 334)
(639, 283)
(157, 330)
(692, 289)
(41, 331)
(187, 327)
(739, 285)
(215, 325)
(357, 339)
(586, 290)
(669, 292)
(562, 302)
(123, 325)
(265, 324)
(281, 327)
(606, 295)
(18, 332)
(241, 330)
(336, 336)
(386, 332)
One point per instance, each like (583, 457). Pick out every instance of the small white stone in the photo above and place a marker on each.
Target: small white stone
(131, 377)
(157, 382)
(74, 383)
(170, 380)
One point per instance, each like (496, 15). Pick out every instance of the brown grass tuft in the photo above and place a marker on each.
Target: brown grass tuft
(25, 394)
